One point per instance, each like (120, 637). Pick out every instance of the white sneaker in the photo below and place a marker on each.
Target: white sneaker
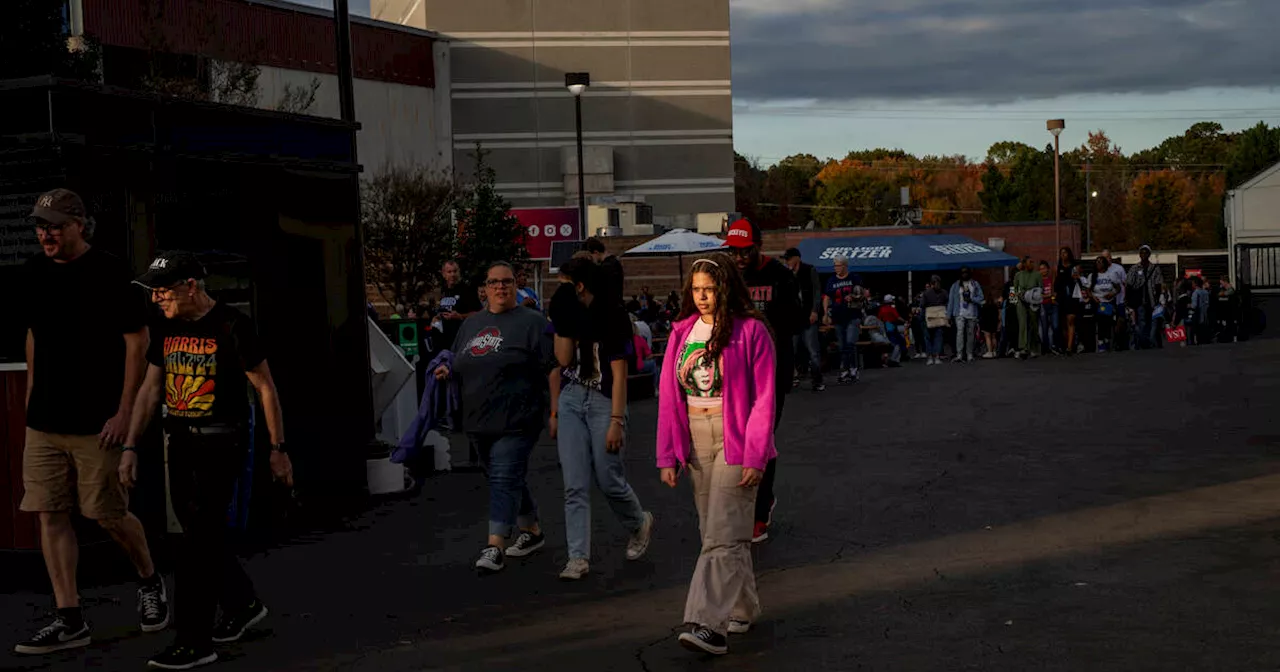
(575, 569)
(989, 355)
(640, 542)
(737, 627)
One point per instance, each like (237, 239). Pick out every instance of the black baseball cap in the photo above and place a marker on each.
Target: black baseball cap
(172, 268)
(58, 206)
(791, 252)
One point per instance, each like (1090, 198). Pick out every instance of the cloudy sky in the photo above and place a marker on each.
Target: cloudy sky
(954, 76)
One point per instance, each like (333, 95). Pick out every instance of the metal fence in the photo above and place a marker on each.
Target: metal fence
(1258, 266)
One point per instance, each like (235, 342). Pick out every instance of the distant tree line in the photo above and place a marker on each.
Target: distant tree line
(1170, 196)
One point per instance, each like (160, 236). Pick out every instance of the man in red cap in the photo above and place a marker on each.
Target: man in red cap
(776, 294)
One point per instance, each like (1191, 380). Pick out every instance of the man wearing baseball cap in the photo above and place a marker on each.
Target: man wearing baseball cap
(775, 292)
(1143, 279)
(200, 364)
(86, 337)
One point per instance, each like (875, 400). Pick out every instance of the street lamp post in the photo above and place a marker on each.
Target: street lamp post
(1055, 127)
(577, 83)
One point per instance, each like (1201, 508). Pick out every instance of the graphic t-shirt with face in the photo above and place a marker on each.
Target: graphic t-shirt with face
(204, 364)
(698, 372)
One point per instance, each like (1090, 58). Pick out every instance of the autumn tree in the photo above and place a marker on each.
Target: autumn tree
(854, 193)
(407, 216)
(1104, 169)
(1162, 208)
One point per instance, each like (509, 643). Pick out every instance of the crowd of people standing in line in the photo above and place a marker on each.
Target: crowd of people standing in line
(1084, 306)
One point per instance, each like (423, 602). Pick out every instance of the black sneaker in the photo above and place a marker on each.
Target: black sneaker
(231, 627)
(153, 607)
(491, 560)
(55, 637)
(180, 657)
(526, 544)
(702, 639)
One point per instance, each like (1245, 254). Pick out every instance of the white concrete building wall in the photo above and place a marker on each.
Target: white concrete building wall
(400, 124)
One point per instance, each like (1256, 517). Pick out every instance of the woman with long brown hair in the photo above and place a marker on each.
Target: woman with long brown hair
(715, 419)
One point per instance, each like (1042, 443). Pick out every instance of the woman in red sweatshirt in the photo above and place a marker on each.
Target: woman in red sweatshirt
(715, 420)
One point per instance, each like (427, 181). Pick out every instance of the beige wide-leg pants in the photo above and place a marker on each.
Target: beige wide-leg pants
(724, 581)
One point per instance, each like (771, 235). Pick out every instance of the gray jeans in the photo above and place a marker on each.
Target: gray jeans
(584, 417)
(966, 335)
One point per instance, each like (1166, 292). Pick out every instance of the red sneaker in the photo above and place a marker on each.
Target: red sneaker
(760, 533)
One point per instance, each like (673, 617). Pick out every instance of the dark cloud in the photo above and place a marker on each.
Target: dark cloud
(993, 51)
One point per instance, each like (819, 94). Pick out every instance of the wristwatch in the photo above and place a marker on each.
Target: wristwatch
(128, 449)
(279, 448)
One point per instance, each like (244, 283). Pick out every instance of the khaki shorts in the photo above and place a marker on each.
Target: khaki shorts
(61, 471)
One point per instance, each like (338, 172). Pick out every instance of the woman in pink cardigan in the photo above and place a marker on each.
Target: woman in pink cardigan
(715, 420)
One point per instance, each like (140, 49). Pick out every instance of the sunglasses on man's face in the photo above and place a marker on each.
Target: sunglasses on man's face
(43, 226)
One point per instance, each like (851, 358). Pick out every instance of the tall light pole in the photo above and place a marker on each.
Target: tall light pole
(1055, 127)
(577, 83)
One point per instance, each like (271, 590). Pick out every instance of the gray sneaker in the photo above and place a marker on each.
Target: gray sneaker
(575, 569)
(639, 543)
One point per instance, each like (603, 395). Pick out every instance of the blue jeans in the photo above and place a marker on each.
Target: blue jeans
(1048, 328)
(584, 417)
(808, 337)
(1143, 332)
(506, 459)
(651, 366)
(933, 339)
(847, 334)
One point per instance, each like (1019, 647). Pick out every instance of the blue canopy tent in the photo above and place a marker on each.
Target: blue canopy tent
(879, 254)
(884, 254)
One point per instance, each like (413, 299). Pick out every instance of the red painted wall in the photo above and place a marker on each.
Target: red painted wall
(266, 35)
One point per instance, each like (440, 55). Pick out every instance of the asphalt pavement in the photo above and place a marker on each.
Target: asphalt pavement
(1104, 512)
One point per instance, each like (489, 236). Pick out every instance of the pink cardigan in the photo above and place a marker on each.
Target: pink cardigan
(748, 389)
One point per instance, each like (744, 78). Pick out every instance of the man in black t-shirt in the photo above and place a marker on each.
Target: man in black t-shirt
(86, 335)
(775, 292)
(458, 301)
(200, 364)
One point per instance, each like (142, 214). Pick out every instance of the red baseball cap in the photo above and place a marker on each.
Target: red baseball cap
(742, 234)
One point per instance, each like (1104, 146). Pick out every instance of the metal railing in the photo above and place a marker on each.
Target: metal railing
(1258, 266)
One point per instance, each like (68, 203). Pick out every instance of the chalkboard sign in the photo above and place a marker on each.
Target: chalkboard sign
(18, 240)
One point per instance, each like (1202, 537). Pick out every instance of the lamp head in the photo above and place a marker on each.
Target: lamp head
(1055, 126)
(577, 82)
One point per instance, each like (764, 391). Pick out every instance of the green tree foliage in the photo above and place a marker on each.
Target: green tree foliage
(1254, 150)
(789, 191)
(487, 231)
(407, 213)
(748, 187)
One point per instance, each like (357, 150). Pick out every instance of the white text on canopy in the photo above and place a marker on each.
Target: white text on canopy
(878, 252)
(959, 248)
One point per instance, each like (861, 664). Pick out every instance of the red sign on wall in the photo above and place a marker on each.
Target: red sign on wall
(544, 226)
